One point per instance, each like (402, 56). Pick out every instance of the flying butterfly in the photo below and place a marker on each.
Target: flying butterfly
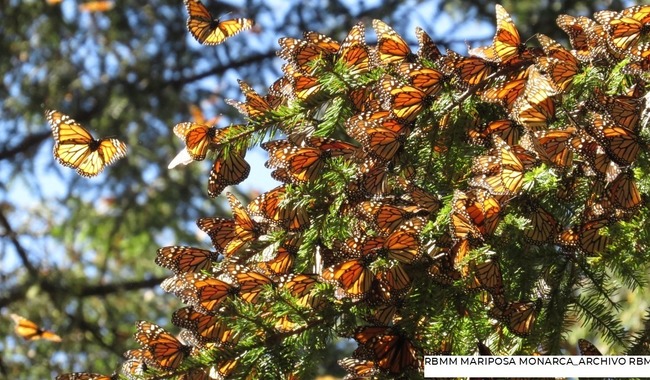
(76, 148)
(167, 351)
(29, 330)
(198, 138)
(209, 30)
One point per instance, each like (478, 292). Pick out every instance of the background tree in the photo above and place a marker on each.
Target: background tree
(78, 254)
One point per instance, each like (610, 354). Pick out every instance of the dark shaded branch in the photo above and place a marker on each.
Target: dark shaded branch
(22, 253)
(28, 143)
(257, 58)
(106, 289)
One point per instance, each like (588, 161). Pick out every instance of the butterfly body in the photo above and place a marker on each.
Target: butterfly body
(209, 30)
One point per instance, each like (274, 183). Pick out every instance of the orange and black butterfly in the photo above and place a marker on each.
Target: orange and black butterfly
(228, 169)
(282, 262)
(559, 64)
(628, 29)
(599, 162)
(392, 350)
(167, 351)
(246, 229)
(209, 30)
(387, 217)
(488, 275)
(76, 148)
(586, 238)
(430, 81)
(624, 110)
(506, 93)
(509, 178)
(302, 286)
(29, 330)
(354, 277)
(206, 328)
(554, 146)
(427, 48)
(405, 102)
(543, 226)
(202, 291)
(359, 368)
(182, 259)
(199, 138)
(305, 55)
(380, 135)
(620, 143)
(354, 54)
(250, 282)
(506, 129)
(391, 47)
(421, 197)
(256, 106)
(470, 71)
(623, 192)
(535, 108)
(274, 207)
(518, 316)
(588, 45)
(506, 45)
(221, 231)
(587, 348)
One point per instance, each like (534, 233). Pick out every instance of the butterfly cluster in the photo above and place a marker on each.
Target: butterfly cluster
(372, 218)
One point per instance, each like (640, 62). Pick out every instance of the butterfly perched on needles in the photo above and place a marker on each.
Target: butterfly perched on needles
(29, 330)
(167, 351)
(209, 30)
(76, 148)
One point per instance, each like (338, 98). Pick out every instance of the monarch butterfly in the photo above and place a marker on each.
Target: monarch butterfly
(422, 198)
(587, 237)
(623, 192)
(301, 287)
(208, 30)
(543, 228)
(96, 6)
(600, 164)
(402, 245)
(255, 107)
(627, 28)
(535, 108)
(427, 48)
(519, 316)
(305, 55)
(469, 70)
(505, 93)
(484, 211)
(394, 282)
(354, 54)
(221, 231)
(405, 102)
(29, 330)
(245, 228)
(488, 274)
(559, 64)
(380, 135)
(587, 43)
(206, 328)
(428, 80)
(354, 276)
(181, 259)
(274, 207)
(506, 129)
(198, 138)
(506, 45)
(587, 348)
(76, 148)
(510, 176)
(359, 368)
(138, 361)
(167, 351)
(372, 179)
(554, 146)
(392, 350)
(624, 110)
(386, 217)
(85, 376)
(620, 143)
(462, 227)
(282, 263)
(228, 169)
(391, 47)
(203, 292)
(250, 283)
